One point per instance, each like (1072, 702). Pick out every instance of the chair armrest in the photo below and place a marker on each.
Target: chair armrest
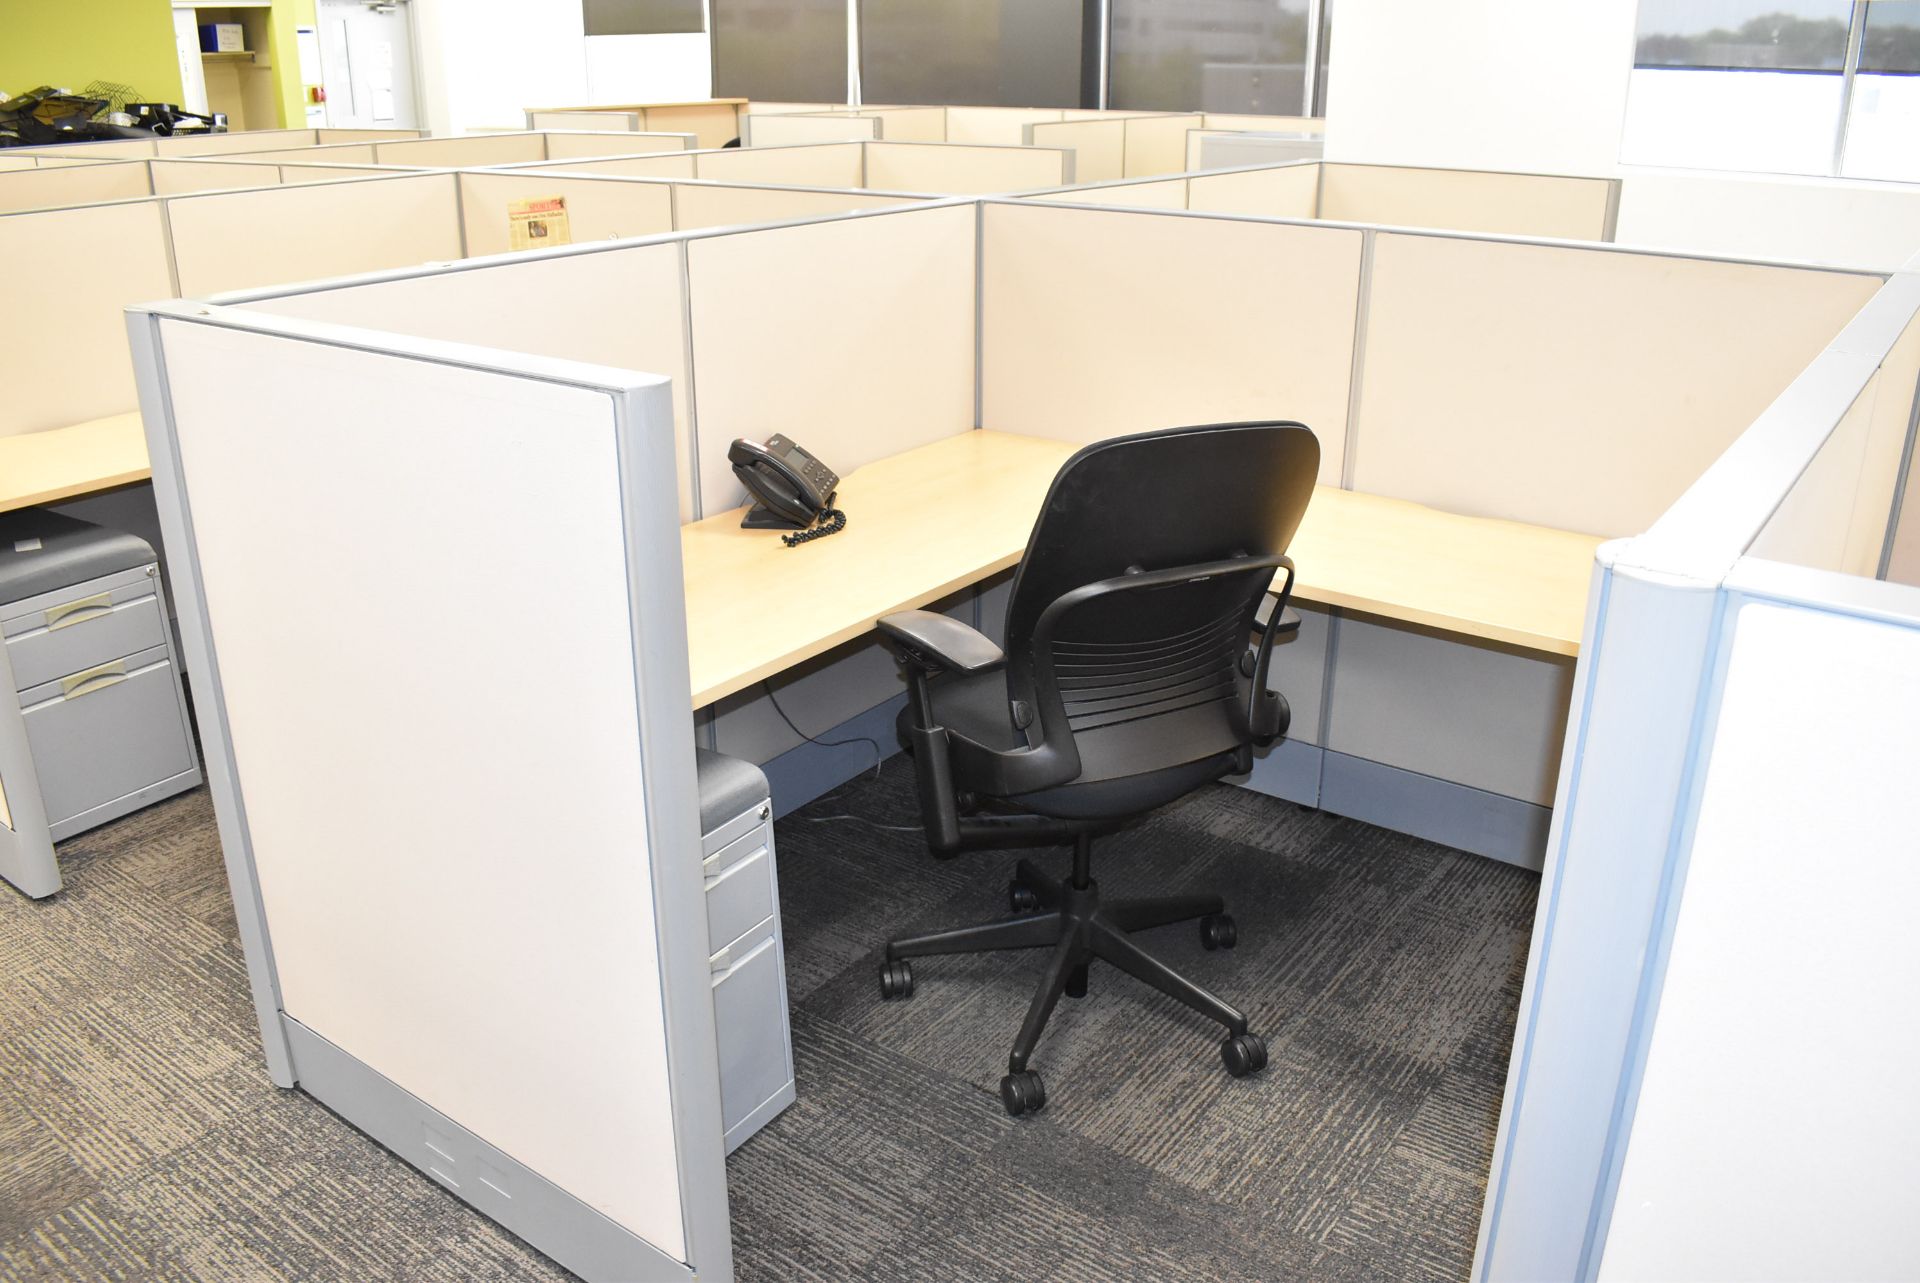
(936, 642)
(1289, 617)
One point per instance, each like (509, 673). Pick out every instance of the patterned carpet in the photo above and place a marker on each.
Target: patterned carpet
(140, 1139)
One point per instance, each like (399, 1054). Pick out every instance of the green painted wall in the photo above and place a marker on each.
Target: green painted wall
(67, 44)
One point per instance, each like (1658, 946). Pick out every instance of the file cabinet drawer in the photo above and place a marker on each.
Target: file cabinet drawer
(739, 880)
(750, 1029)
(81, 631)
(97, 736)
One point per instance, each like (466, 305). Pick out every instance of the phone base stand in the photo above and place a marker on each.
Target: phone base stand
(761, 517)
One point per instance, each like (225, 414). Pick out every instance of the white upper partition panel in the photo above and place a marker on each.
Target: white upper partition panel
(864, 348)
(1583, 389)
(394, 791)
(1098, 323)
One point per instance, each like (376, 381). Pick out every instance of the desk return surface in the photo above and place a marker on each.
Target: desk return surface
(928, 522)
(62, 463)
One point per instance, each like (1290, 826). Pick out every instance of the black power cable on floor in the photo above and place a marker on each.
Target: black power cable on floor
(879, 760)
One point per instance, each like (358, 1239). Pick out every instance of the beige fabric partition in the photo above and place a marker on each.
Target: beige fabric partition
(1100, 323)
(1157, 145)
(624, 308)
(1099, 146)
(66, 275)
(475, 149)
(1263, 124)
(597, 208)
(911, 124)
(896, 292)
(665, 165)
(1467, 200)
(564, 146)
(697, 205)
(248, 240)
(294, 174)
(713, 124)
(1284, 191)
(109, 149)
(1168, 193)
(828, 165)
(785, 131)
(174, 177)
(243, 140)
(1003, 125)
(52, 187)
(324, 136)
(1583, 389)
(627, 120)
(331, 154)
(1835, 517)
(957, 170)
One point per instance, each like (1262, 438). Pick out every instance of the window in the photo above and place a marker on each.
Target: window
(993, 53)
(1210, 55)
(642, 17)
(1778, 86)
(780, 50)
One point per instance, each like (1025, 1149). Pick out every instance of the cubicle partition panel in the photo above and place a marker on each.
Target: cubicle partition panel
(580, 118)
(597, 208)
(192, 144)
(786, 130)
(664, 165)
(1744, 698)
(177, 177)
(67, 274)
(50, 187)
(1478, 200)
(590, 1126)
(247, 239)
(699, 205)
(714, 123)
(954, 169)
(838, 164)
(1101, 143)
(1277, 191)
(568, 146)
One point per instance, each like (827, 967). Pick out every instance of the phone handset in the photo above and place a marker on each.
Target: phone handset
(791, 489)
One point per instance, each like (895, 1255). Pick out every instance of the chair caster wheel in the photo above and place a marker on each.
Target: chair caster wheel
(1022, 898)
(896, 979)
(1243, 1054)
(1218, 932)
(1023, 1093)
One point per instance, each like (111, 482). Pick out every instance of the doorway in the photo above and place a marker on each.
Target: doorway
(366, 64)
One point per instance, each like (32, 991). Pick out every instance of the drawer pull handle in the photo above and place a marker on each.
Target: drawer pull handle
(94, 679)
(69, 613)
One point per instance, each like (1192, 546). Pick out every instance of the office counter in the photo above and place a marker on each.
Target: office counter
(927, 522)
(46, 467)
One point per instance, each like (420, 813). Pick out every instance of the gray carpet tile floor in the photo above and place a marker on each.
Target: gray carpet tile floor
(140, 1139)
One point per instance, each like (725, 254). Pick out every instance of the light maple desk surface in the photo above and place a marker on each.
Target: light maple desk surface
(62, 463)
(928, 522)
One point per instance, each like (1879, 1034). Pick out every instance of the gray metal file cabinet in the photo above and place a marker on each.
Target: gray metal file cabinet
(93, 687)
(743, 925)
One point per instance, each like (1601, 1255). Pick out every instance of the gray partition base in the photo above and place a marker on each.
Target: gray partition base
(808, 770)
(522, 1201)
(1455, 815)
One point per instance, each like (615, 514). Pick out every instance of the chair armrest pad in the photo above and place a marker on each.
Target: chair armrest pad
(939, 641)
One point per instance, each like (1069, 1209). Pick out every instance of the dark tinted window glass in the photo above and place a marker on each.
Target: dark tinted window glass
(642, 17)
(1778, 35)
(994, 53)
(780, 50)
(1891, 43)
(1209, 55)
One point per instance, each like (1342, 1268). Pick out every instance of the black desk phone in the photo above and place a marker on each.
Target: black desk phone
(792, 490)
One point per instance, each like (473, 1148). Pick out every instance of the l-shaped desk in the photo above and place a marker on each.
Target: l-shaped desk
(930, 521)
(927, 522)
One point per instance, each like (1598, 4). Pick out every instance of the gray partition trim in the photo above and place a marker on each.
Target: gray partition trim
(26, 845)
(488, 1179)
(1456, 815)
(1633, 733)
(196, 633)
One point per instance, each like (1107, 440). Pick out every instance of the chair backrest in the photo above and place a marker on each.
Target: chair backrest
(1141, 680)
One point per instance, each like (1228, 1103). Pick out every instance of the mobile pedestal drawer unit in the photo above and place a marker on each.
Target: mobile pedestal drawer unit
(743, 926)
(92, 721)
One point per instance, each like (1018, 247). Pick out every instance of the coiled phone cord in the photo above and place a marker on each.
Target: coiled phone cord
(831, 521)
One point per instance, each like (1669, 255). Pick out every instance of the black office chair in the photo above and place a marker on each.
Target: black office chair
(1129, 679)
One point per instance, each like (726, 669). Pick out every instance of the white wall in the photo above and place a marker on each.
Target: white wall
(1490, 84)
(625, 69)
(483, 62)
(1509, 84)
